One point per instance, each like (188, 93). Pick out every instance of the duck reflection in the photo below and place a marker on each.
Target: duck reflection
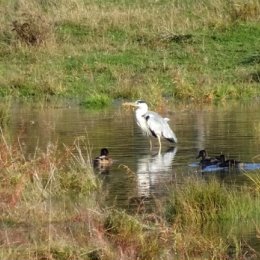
(152, 170)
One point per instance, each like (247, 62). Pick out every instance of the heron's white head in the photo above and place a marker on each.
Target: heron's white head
(141, 106)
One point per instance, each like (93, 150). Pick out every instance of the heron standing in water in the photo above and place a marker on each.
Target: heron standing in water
(152, 124)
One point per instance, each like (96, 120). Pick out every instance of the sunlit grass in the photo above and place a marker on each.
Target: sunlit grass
(255, 180)
(96, 101)
(200, 201)
(189, 50)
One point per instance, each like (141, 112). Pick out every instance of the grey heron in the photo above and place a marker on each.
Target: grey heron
(152, 124)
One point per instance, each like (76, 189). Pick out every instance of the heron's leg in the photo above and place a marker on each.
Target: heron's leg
(160, 145)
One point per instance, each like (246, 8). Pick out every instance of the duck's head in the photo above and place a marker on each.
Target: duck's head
(202, 154)
(222, 158)
(104, 152)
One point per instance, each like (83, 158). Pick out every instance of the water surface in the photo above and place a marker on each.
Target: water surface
(139, 174)
(232, 129)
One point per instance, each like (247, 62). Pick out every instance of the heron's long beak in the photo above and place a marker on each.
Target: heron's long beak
(129, 104)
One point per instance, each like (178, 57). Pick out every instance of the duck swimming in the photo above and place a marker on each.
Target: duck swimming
(103, 160)
(229, 163)
(206, 160)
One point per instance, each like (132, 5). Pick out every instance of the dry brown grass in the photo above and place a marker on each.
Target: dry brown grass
(245, 10)
(99, 18)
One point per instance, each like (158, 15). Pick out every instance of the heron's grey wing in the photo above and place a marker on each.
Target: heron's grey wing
(153, 121)
(168, 133)
(159, 126)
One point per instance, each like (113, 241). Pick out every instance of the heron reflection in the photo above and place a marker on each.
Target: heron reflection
(152, 170)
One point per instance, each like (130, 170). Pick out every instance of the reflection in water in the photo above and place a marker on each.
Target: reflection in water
(151, 170)
(200, 137)
(241, 168)
(102, 169)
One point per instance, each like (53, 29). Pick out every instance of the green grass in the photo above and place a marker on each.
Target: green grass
(122, 49)
(97, 101)
(200, 202)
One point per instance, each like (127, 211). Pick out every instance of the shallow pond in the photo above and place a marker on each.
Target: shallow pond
(231, 129)
(138, 173)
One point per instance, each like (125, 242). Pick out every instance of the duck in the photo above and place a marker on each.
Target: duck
(229, 163)
(206, 160)
(103, 160)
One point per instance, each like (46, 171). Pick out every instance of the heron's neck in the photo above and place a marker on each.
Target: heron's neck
(140, 112)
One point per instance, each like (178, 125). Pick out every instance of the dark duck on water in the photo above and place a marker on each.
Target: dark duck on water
(206, 160)
(229, 163)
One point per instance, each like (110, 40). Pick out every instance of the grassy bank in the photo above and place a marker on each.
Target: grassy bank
(52, 207)
(98, 51)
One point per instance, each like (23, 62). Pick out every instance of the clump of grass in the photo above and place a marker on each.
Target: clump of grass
(255, 180)
(189, 241)
(76, 182)
(67, 173)
(131, 234)
(245, 10)
(124, 225)
(200, 201)
(96, 101)
(32, 29)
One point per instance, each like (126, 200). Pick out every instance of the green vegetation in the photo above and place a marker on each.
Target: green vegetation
(52, 207)
(197, 50)
(96, 101)
(199, 201)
